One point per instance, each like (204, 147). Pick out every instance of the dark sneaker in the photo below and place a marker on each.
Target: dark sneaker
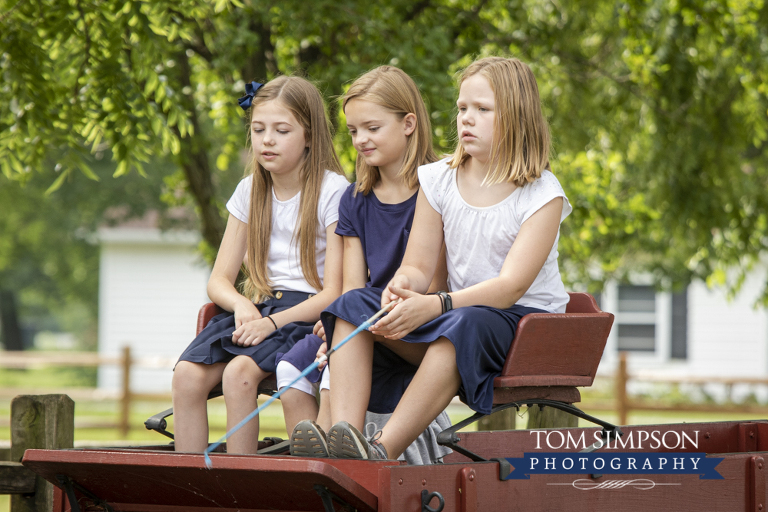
(308, 440)
(346, 442)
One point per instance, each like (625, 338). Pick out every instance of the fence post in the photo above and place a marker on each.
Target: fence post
(549, 417)
(502, 420)
(40, 421)
(125, 398)
(622, 405)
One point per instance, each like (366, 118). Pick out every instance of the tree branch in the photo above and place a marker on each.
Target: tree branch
(87, 52)
(10, 11)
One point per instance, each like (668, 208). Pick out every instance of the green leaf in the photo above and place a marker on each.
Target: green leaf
(58, 182)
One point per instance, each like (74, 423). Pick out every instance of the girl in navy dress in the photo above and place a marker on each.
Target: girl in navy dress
(390, 129)
(498, 208)
(282, 219)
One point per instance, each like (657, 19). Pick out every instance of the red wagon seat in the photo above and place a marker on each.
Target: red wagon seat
(552, 353)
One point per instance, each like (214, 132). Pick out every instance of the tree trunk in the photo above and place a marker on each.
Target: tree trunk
(10, 332)
(193, 159)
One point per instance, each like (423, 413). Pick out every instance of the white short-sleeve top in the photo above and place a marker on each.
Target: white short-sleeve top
(284, 262)
(477, 239)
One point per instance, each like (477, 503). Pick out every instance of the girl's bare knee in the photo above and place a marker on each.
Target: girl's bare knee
(188, 381)
(242, 376)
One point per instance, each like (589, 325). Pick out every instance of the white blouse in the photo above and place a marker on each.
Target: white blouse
(477, 239)
(284, 261)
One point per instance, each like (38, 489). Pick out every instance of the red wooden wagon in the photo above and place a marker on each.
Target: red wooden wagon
(550, 356)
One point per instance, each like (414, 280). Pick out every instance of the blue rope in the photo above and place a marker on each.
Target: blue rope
(303, 374)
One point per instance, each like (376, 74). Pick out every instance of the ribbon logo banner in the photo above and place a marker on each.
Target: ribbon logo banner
(651, 463)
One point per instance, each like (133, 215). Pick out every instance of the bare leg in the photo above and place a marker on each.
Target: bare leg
(191, 384)
(298, 406)
(351, 386)
(240, 383)
(324, 414)
(411, 352)
(431, 390)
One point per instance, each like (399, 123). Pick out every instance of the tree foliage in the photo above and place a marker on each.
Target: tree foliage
(659, 109)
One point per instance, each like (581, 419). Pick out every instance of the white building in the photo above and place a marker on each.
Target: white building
(151, 285)
(696, 333)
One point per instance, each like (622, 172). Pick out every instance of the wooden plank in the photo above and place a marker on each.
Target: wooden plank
(540, 493)
(16, 479)
(43, 359)
(147, 480)
(15, 359)
(90, 394)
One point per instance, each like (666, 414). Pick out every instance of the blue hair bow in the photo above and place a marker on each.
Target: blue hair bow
(250, 92)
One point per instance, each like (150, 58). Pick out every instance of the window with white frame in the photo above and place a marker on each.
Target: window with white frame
(637, 318)
(647, 321)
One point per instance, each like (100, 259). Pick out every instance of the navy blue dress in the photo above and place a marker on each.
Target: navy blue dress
(383, 231)
(214, 343)
(478, 362)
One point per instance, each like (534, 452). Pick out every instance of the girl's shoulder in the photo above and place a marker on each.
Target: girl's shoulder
(435, 181)
(335, 181)
(436, 168)
(539, 192)
(244, 185)
(331, 190)
(435, 173)
(545, 185)
(239, 204)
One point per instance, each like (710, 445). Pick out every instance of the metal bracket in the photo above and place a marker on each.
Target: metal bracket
(449, 438)
(328, 497)
(505, 468)
(158, 423)
(426, 498)
(70, 485)
(605, 437)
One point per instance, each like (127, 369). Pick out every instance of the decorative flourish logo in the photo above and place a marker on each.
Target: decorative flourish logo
(642, 484)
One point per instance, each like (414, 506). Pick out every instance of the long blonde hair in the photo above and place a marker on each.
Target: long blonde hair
(306, 104)
(521, 138)
(391, 88)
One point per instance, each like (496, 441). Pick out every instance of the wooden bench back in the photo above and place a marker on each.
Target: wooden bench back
(558, 349)
(207, 311)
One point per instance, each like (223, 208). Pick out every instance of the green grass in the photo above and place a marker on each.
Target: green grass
(49, 378)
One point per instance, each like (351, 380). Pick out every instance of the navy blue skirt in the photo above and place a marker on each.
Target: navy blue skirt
(481, 336)
(214, 343)
(391, 373)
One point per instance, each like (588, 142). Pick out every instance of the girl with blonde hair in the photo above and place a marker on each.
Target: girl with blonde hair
(282, 219)
(498, 208)
(390, 129)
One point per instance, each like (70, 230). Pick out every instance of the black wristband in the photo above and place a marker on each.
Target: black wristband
(447, 301)
(442, 301)
(272, 320)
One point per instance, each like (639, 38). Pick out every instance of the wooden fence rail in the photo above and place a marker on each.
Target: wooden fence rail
(125, 361)
(624, 403)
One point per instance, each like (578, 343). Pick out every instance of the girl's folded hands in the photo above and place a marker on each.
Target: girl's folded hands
(412, 311)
